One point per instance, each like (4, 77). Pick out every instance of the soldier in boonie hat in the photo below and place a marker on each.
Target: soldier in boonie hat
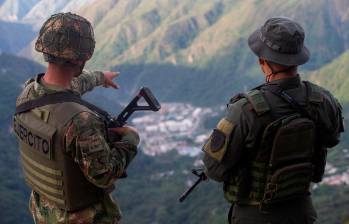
(269, 147)
(279, 42)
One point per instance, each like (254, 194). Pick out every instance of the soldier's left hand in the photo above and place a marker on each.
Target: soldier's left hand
(108, 79)
(128, 133)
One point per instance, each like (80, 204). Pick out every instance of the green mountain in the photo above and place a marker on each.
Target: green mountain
(195, 32)
(14, 36)
(14, 203)
(335, 77)
(202, 43)
(196, 50)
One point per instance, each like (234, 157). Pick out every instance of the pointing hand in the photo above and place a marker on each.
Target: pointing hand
(108, 79)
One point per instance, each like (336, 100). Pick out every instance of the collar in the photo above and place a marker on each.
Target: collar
(287, 83)
(43, 88)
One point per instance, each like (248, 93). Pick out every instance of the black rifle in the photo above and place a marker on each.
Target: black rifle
(133, 106)
(202, 177)
(121, 119)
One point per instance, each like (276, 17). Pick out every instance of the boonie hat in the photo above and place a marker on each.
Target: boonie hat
(280, 40)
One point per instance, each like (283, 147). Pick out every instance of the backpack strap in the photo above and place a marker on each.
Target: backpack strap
(278, 91)
(258, 102)
(314, 92)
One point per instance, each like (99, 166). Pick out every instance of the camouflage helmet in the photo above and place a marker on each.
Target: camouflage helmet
(65, 37)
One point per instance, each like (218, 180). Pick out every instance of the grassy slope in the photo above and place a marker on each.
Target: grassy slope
(191, 32)
(200, 47)
(335, 77)
(198, 31)
(197, 51)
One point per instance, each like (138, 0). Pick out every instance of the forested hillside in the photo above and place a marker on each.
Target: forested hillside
(201, 43)
(14, 195)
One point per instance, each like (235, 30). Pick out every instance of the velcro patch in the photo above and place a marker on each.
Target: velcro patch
(90, 145)
(36, 135)
(217, 144)
(217, 140)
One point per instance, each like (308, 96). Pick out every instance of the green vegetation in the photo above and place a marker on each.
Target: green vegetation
(157, 183)
(196, 32)
(332, 204)
(188, 50)
(335, 77)
(13, 193)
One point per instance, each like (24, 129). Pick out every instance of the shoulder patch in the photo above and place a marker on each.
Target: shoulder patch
(217, 140)
(217, 144)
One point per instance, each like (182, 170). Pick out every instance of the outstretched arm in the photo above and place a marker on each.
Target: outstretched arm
(88, 80)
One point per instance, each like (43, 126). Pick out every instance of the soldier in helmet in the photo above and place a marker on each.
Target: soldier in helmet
(66, 157)
(272, 142)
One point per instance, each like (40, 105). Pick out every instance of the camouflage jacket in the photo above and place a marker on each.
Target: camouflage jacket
(102, 171)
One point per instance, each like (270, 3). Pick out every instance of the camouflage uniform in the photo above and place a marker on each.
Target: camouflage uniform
(101, 169)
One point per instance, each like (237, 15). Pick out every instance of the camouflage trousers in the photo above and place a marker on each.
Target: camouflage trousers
(44, 212)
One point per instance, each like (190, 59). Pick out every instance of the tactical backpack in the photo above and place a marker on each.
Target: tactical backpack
(283, 166)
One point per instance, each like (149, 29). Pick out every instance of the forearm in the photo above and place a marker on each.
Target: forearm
(103, 167)
(214, 170)
(125, 151)
(87, 81)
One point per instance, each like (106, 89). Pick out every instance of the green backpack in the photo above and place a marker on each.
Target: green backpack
(288, 147)
(283, 167)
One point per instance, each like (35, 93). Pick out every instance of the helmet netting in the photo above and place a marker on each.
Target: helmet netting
(68, 36)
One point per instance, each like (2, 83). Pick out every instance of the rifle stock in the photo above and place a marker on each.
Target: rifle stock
(147, 95)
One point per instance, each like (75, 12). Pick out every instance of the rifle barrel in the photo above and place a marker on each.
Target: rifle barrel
(185, 194)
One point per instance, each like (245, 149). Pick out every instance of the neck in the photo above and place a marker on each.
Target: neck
(58, 76)
(283, 76)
